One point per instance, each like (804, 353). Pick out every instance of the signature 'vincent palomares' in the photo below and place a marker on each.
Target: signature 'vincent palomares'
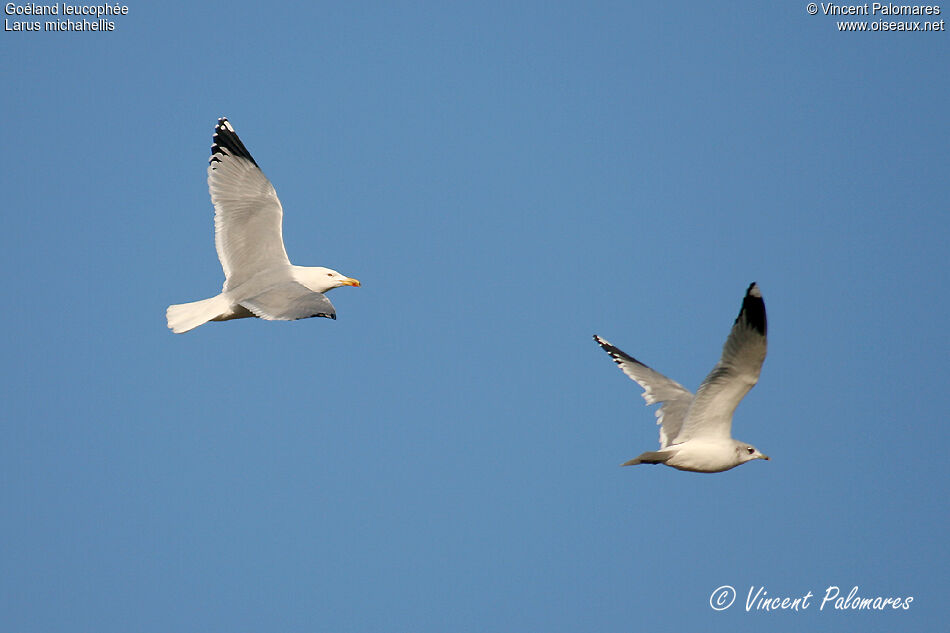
(259, 280)
(696, 430)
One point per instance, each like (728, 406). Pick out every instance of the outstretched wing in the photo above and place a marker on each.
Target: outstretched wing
(247, 213)
(733, 376)
(289, 301)
(674, 397)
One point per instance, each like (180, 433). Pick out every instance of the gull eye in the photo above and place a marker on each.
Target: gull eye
(329, 274)
(750, 450)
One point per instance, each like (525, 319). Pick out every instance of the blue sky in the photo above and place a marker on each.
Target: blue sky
(505, 181)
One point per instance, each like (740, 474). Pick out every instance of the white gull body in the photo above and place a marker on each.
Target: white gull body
(696, 430)
(259, 281)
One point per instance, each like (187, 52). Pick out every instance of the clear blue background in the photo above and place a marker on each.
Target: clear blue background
(506, 179)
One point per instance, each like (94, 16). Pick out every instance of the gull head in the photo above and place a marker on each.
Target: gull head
(320, 279)
(747, 452)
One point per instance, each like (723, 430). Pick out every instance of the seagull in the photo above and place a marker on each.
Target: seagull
(695, 430)
(259, 279)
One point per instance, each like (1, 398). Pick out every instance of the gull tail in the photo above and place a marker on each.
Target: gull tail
(650, 457)
(187, 316)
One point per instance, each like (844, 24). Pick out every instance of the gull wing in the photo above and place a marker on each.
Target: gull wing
(247, 213)
(674, 397)
(289, 301)
(710, 414)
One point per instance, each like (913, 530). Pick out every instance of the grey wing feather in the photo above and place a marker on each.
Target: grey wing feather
(674, 397)
(247, 212)
(289, 301)
(733, 376)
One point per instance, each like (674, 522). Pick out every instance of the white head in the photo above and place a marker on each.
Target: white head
(320, 279)
(747, 452)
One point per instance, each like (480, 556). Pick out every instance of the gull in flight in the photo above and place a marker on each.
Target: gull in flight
(696, 430)
(259, 279)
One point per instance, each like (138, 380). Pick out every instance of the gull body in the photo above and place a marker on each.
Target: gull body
(696, 429)
(259, 281)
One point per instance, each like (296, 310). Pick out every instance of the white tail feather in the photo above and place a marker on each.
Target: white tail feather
(187, 316)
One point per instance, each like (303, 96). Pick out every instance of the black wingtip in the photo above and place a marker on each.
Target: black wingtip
(607, 347)
(617, 354)
(225, 138)
(753, 310)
